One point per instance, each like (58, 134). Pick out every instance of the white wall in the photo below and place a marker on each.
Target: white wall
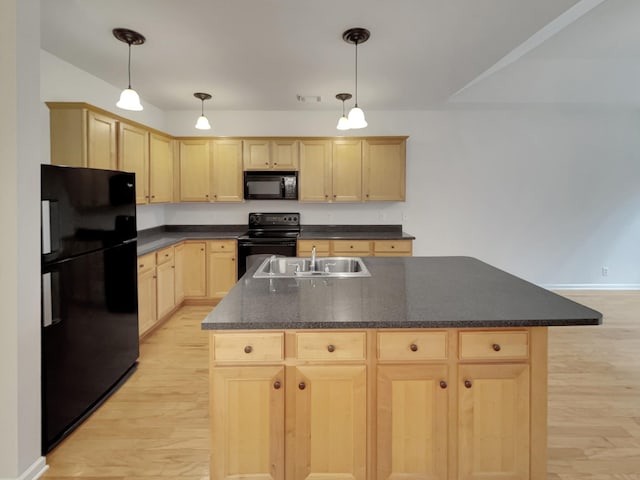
(20, 241)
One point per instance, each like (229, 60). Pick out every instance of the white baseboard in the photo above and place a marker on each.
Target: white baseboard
(591, 286)
(35, 471)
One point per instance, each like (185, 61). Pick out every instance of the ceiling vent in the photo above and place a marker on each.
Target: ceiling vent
(309, 98)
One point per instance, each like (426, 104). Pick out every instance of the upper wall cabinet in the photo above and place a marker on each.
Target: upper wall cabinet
(161, 168)
(383, 169)
(211, 170)
(81, 137)
(133, 156)
(271, 154)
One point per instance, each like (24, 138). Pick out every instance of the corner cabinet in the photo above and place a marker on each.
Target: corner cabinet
(442, 404)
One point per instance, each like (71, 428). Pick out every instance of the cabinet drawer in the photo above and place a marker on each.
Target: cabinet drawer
(498, 344)
(351, 247)
(392, 247)
(305, 246)
(248, 347)
(412, 346)
(146, 262)
(222, 246)
(164, 255)
(331, 346)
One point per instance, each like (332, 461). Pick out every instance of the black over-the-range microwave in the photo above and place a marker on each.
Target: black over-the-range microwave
(268, 185)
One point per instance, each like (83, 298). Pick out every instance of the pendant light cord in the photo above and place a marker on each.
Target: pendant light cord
(356, 74)
(129, 66)
(203, 107)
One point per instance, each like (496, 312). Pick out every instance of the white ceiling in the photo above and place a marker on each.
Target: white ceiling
(260, 54)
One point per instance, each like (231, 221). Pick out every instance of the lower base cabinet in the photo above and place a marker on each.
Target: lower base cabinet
(454, 404)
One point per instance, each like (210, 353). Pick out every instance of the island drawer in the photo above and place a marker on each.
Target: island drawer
(146, 262)
(494, 344)
(412, 345)
(248, 347)
(164, 255)
(331, 346)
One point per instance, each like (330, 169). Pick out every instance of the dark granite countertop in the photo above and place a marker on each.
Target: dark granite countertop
(156, 238)
(160, 237)
(402, 292)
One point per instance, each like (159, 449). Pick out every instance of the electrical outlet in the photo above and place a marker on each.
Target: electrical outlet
(605, 271)
(405, 216)
(382, 215)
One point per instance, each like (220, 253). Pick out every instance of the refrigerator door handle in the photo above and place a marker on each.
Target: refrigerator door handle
(50, 290)
(50, 226)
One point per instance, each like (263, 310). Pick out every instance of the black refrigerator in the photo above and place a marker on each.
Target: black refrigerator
(89, 293)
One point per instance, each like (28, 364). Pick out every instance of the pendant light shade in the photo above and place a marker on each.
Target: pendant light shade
(129, 99)
(203, 122)
(356, 36)
(343, 122)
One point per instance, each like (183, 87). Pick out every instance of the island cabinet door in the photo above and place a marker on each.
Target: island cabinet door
(247, 423)
(330, 432)
(412, 418)
(493, 422)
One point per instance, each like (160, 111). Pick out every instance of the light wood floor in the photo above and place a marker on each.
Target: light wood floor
(156, 426)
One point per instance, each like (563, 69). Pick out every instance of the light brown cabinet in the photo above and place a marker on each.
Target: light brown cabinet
(178, 262)
(166, 280)
(195, 269)
(271, 154)
(133, 156)
(195, 170)
(161, 168)
(439, 404)
(346, 175)
(147, 309)
(222, 267)
(383, 169)
(315, 177)
(359, 248)
(227, 171)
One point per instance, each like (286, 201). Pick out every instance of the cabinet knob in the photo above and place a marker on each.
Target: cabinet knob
(221, 246)
(392, 247)
(248, 349)
(414, 347)
(215, 196)
(166, 254)
(468, 384)
(367, 195)
(141, 265)
(266, 163)
(207, 195)
(331, 348)
(275, 163)
(496, 347)
(233, 259)
(335, 196)
(153, 196)
(326, 196)
(443, 384)
(277, 384)
(302, 386)
(350, 246)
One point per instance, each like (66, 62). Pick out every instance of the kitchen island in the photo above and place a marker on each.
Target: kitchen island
(433, 367)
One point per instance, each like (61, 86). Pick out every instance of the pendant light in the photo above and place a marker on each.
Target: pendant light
(343, 122)
(356, 36)
(203, 122)
(129, 98)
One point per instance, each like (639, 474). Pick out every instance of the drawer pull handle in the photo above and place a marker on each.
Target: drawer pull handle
(414, 347)
(496, 347)
(468, 384)
(443, 384)
(302, 386)
(331, 348)
(248, 349)
(277, 384)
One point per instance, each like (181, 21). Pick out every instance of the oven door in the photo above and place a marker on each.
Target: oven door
(249, 247)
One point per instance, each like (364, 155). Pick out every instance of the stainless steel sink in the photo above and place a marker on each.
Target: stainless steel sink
(289, 267)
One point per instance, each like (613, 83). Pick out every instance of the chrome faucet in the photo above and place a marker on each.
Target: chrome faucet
(312, 265)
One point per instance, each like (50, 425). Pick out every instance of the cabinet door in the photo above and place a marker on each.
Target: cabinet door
(147, 313)
(178, 262)
(101, 145)
(284, 154)
(222, 268)
(227, 171)
(165, 273)
(383, 170)
(195, 171)
(247, 423)
(347, 170)
(160, 169)
(412, 417)
(493, 421)
(256, 155)
(330, 422)
(195, 270)
(315, 171)
(133, 156)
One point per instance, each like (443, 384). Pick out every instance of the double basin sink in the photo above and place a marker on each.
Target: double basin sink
(291, 267)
